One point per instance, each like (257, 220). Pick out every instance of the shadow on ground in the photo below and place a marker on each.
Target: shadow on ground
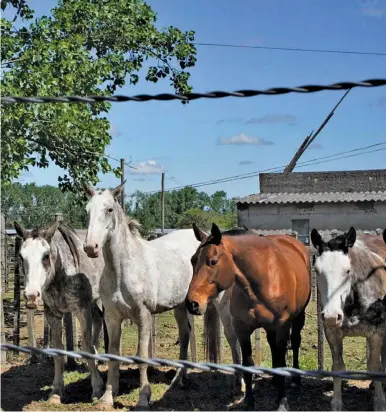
(25, 387)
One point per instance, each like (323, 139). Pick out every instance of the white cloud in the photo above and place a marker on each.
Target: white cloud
(243, 139)
(148, 167)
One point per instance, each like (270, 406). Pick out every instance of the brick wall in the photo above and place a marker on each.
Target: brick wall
(319, 182)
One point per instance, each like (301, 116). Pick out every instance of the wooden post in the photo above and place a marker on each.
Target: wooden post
(258, 347)
(16, 292)
(163, 203)
(122, 181)
(193, 345)
(320, 332)
(3, 247)
(31, 333)
(3, 357)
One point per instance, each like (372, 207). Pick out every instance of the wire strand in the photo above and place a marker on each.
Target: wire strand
(271, 169)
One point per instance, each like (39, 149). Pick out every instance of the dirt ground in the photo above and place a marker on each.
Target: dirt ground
(26, 386)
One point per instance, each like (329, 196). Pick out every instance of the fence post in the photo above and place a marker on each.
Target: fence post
(320, 332)
(16, 292)
(3, 247)
(258, 347)
(193, 345)
(3, 357)
(31, 333)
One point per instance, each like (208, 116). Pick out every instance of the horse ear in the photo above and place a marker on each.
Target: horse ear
(49, 233)
(246, 229)
(117, 192)
(316, 239)
(351, 237)
(200, 235)
(384, 235)
(216, 234)
(90, 192)
(23, 233)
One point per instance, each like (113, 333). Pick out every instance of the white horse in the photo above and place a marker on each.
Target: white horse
(142, 278)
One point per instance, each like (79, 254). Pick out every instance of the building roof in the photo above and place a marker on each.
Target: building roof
(329, 197)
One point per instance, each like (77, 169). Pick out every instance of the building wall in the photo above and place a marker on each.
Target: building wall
(340, 216)
(321, 182)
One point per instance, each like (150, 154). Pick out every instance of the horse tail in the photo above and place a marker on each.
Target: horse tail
(212, 334)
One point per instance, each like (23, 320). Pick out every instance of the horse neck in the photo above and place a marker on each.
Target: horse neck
(56, 273)
(122, 245)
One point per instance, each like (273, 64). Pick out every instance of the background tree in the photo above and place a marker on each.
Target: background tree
(85, 47)
(182, 208)
(35, 206)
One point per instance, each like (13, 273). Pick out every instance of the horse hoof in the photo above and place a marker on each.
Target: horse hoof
(104, 406)
(142, 407)
(283, 405)
(54, 399)
(97, 394)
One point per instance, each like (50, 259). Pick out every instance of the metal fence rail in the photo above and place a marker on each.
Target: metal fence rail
(204, 366)
(194, 96)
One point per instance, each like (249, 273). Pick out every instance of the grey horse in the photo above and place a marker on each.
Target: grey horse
(61, 276)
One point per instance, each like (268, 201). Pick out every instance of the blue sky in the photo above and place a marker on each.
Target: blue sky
(183, 140)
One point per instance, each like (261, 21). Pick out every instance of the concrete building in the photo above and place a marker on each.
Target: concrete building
(328, 201)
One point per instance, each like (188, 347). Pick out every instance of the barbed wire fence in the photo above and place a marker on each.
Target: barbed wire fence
(288, 372)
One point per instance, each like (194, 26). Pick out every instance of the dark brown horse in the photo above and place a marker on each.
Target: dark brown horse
(270, 285)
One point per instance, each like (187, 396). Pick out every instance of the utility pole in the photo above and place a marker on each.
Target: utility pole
(163, 203)
(122, 181)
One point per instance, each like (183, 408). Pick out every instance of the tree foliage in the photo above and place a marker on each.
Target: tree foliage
(182, 208)
(35, 206)
(85, 47)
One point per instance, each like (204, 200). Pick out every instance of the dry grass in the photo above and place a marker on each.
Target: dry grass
(26, 386)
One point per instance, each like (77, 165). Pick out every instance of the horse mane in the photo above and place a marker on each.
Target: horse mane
(134, 226)
(364, 261)
(68, 234)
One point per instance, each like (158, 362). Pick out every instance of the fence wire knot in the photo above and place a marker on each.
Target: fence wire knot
(204, 366)
(194, 96)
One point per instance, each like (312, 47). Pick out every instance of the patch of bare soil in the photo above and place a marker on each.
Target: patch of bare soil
(26, 387)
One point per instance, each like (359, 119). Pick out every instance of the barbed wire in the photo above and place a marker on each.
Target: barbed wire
(203, 366)
(194, 96)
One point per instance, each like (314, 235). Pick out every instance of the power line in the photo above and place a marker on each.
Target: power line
(294, 49)
(317, 160)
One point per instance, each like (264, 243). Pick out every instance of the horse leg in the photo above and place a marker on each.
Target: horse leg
(243, 333)
(114, 328)
(296, 339)
(144, 327)
(335, 341)
(86, 324)
(231, 337)
(97, 320)
(56, 334)
(375, 343)
(278, 343)
(181, 316)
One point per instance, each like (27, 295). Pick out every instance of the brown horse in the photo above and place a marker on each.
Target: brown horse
(269, 280)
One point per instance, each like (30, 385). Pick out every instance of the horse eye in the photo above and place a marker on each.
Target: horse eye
(213, 262)
(110, 210)
(46, 256)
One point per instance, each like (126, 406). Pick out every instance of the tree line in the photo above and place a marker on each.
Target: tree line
(35, 206)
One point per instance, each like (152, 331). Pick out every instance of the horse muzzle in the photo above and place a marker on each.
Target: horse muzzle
(194, 308)
(92, 251)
